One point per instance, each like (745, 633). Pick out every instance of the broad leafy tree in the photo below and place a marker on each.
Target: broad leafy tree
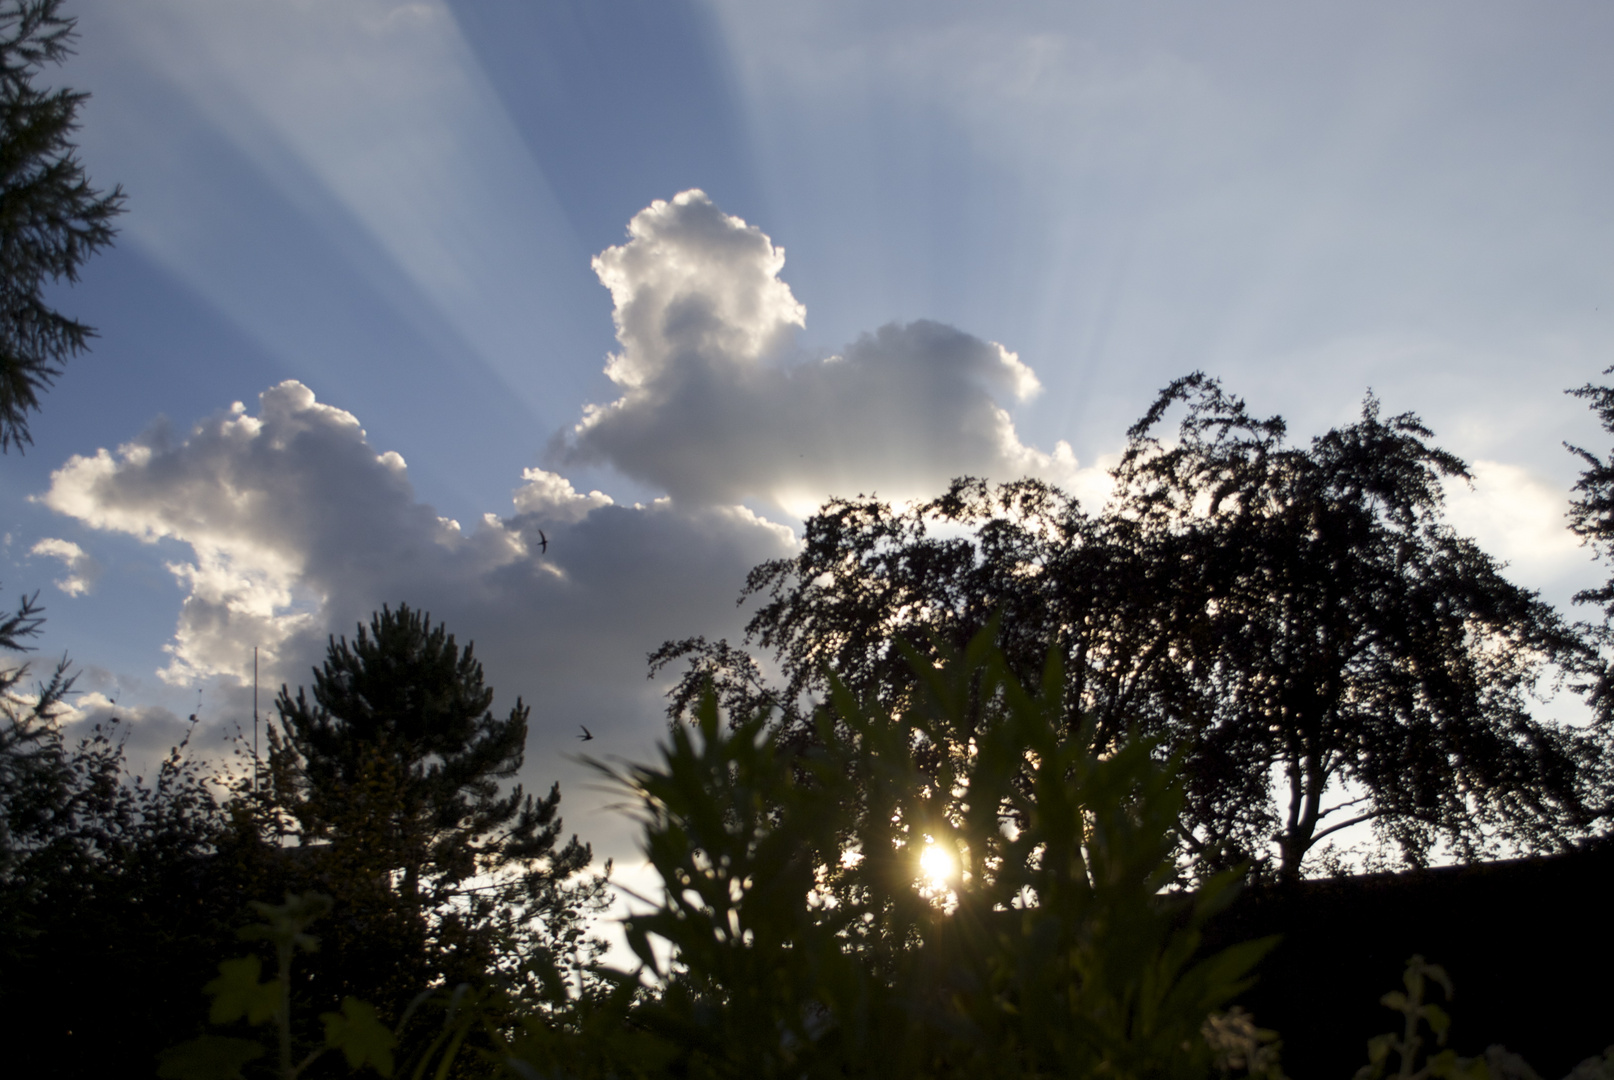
(1351, 658)
(393, 772)
(1299, 622)
(51, 219)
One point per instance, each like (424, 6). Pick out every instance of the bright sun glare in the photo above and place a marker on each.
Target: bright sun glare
(937, 865)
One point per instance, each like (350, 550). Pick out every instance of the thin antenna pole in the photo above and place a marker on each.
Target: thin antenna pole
(254, 719)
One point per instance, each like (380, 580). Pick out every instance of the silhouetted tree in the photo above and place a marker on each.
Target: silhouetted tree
(1591, 517)
(1591, 512)
(1336, 632)
(102, 876)
(441, 879)
(1300, 623)
(30, 745)
(51, 219)
(36, 780)
(393, 775)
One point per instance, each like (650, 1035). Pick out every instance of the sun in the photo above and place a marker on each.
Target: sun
(937, 865)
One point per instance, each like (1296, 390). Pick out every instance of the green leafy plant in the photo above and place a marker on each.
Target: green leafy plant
(1410, 1041)
(1239, 1046)
(1410, 1044)
(239, 994)
(964, 887)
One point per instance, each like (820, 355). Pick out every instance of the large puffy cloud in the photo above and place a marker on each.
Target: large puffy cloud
(711, 411)
(298, 527)
(271, 506)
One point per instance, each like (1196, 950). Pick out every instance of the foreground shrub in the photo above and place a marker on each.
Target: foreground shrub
(956, 890)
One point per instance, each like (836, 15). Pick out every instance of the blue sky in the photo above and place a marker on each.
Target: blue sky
(935, 238)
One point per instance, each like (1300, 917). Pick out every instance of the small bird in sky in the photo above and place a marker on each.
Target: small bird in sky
(587, 734)
(543, 542)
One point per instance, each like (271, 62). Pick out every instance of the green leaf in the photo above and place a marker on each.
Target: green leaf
(210, 1057)
(1446, 1065)
(360, 1035)
(1438, 1021)
(284, 923)
(237, 993)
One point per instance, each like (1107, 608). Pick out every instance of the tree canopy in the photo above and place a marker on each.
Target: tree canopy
(51, 219)
(393, 772)
(395, 764)
(1591, 511)
(1299, 622)
(1341, 634)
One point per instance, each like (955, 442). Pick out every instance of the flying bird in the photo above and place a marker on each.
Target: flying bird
(543, 542)
(587, 734)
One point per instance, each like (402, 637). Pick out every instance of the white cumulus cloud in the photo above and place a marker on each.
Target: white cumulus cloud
(551, 497)
(713, 410)
(81, 569)
(298, 528)
(1517, 516)
(253, 497)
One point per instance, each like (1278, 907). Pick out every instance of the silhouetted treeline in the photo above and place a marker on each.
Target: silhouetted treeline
(120, 896)
(1300, 623)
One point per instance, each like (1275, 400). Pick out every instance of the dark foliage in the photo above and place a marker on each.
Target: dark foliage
(1591, 517)
(101, 875)
(1335, 630)
(1591, 512)
(806, 938)
(35, 782)
(51, 219)
(391, 778)
(109, 882)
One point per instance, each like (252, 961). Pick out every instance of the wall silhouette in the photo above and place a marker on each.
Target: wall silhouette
(1528, 943)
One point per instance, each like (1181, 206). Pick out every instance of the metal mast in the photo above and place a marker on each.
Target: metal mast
(254, 719)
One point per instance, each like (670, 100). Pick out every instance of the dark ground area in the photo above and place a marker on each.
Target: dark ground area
(1528, 943)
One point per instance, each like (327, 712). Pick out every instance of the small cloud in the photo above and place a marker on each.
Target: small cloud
(549, 496)
(1519, 517)
(81, 569)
